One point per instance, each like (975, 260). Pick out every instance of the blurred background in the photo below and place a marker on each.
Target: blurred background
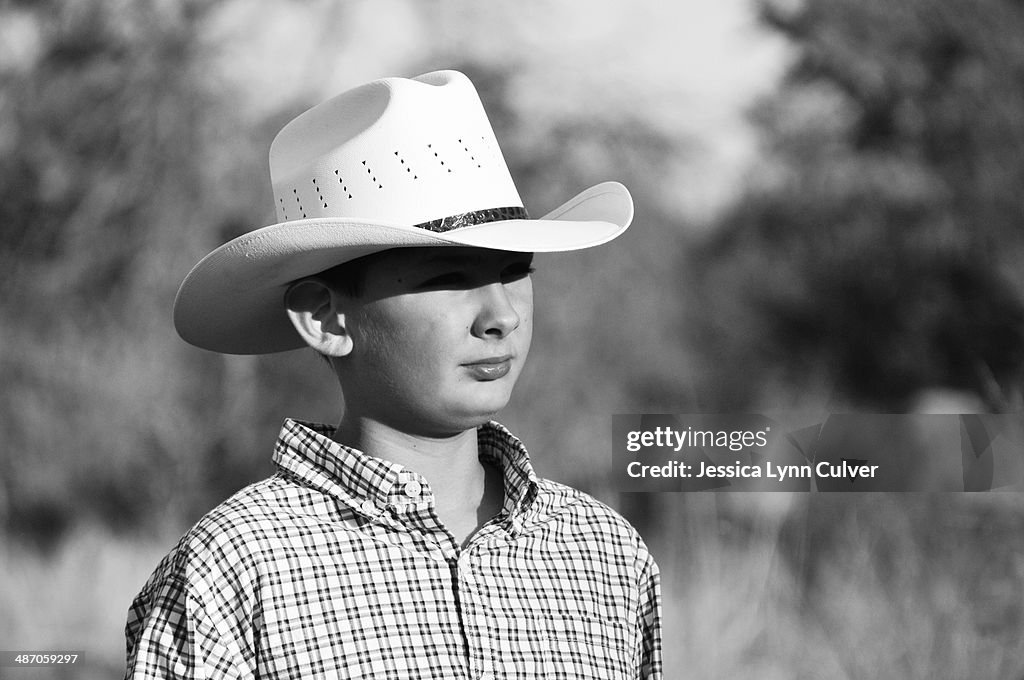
(830, 217)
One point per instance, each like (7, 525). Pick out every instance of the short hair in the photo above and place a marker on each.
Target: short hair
(347, 278)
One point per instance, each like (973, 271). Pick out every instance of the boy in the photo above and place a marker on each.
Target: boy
(413, 540)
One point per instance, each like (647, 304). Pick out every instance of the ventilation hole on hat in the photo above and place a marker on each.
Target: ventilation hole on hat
(341, 181)
(372, 176)
(431, 147)
(465, 147)
(299, 201)
(284, 208)
(319, 195)
(405, 165)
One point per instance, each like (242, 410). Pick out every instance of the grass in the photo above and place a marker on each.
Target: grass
(771, 585)
(845, 586)
(74, 597)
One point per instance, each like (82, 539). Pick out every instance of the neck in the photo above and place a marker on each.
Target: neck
(465, 494)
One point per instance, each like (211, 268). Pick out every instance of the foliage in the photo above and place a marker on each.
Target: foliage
(843, 585)
(111, 144)
(874, 255)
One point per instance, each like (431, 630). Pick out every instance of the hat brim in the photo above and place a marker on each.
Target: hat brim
(233, 300)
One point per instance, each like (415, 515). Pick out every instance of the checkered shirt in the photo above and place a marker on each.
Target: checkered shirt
(338, 567)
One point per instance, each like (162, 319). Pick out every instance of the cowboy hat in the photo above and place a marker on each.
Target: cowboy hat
(390, 164)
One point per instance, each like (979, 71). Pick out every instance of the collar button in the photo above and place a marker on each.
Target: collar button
(412, 489)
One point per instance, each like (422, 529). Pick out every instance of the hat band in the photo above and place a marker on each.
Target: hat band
(468, 219)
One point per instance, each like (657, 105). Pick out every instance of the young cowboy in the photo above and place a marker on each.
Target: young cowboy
(414, 539)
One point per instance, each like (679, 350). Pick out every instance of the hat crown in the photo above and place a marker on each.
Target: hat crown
(396, 150)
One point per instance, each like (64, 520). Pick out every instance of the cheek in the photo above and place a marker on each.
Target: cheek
(397, 344)
(525, 330)
(524, 307)
(376, 350)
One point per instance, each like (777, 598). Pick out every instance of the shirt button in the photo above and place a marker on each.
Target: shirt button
(368, 508)
(412, 489)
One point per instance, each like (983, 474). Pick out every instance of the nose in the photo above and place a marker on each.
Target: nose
(497, 315)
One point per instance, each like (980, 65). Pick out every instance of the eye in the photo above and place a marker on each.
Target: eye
(452, 279)
(516, 271)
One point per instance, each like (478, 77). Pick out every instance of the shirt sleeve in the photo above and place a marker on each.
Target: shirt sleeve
(648, 629)
(170, 634)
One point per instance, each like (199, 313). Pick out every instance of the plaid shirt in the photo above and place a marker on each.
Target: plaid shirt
(338, 567)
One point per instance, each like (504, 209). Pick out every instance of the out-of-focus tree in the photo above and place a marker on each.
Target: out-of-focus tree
(877, 253)
(113, 150)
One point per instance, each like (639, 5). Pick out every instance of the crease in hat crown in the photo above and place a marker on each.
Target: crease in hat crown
(398, 151)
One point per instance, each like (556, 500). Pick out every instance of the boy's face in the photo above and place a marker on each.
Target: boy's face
(439, 337)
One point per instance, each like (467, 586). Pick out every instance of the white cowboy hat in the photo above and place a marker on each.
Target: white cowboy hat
(393, 163)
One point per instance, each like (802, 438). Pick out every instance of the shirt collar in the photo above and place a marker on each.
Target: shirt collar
(367, 483)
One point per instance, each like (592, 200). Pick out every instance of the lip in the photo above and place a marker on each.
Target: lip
(491, 368)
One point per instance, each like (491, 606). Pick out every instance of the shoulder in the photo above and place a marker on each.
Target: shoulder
(576, 513)
(216, 565)
(560, 500)
(238, 524)
(209, 579)
(228, 543)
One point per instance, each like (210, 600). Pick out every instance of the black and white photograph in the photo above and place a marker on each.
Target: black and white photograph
(441, 339)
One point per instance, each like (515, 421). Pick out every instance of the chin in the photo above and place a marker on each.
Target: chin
(467, 409)
(453, 425)
(488, 405)
(476, 415)
(479, 415)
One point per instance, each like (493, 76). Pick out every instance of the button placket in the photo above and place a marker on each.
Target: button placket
(481, 650)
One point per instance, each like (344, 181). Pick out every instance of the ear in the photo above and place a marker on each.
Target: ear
(318, 318)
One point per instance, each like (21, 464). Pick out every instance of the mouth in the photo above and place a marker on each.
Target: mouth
(491, 368)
